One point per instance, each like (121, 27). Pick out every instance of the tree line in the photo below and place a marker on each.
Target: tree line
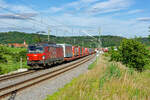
(85, 41)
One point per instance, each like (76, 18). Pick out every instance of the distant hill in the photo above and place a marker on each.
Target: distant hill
(86, 41)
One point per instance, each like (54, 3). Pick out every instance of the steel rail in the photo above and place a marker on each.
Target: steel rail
(15, 75)
(4, 91)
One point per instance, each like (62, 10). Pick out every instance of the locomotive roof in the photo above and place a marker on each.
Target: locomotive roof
(44, 45)
(65, 44)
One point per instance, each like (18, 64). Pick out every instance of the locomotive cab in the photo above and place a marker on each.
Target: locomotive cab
(35, 55)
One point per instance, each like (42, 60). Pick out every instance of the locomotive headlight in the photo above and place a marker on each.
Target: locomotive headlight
(43, 57)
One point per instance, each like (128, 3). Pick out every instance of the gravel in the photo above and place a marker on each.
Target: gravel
(29, 76)
(41, 90)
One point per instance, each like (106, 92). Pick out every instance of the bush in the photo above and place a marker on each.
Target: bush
(132, 53)
(18, 55)
(0, 70)
(23, 55)
(115, 55)
(10, 59)
(2, 59)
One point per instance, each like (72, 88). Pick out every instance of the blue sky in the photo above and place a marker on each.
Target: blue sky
(126, 18)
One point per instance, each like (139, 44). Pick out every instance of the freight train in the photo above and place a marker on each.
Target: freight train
(44, 55)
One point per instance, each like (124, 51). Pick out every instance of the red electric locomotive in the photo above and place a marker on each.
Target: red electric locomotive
(44, 55)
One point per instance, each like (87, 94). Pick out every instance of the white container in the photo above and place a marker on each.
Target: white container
(67, 48)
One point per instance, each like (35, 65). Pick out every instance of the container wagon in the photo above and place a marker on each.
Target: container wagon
(79, 51)
(83, 52)
(86, 51)
(67, 49)
(75, 51)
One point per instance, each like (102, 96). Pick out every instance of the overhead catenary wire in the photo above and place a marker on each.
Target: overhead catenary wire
(44, 24)
(25, 17)
(35, 19)
(63, 24)
(13, 26)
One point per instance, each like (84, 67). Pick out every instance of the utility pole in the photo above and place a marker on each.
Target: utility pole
(82, 43)
(80, 37)
(99, 38)
(74, 41)
(21, 63)
(74, 38)
(56, 31)
(48, 35)
(72, 31)
(79, 32)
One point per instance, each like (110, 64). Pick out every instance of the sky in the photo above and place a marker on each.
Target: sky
(127, 18)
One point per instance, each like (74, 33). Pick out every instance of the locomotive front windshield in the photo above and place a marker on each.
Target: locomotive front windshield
(35, 49)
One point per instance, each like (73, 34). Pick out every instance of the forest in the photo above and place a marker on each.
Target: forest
(85, 41)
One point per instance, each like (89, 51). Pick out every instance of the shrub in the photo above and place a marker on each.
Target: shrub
(115, 56)
(132, 53)
(2, 59)
(0, 70)
(17, 56)
(23, 55)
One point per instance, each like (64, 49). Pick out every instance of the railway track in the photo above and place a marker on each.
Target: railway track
(15, 75)
(13, 88)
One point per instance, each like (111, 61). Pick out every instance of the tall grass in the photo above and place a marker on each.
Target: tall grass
(107, 81)
(91, 66)
(112, 71)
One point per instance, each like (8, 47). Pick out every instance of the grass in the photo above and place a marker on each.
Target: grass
(111, 72)
(106, 81)
(91, 66)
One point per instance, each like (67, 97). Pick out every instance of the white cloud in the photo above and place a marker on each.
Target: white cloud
(11, 12)
(77, 5)
(55, 9)
(109, 25)
(129, 12)
(109, 6)
(11, 8)
(135, 11)
(88, 1)
(67, 21)
(3, 4)
(144, 19)
(22, 9)
(93, 6)
(22, 16)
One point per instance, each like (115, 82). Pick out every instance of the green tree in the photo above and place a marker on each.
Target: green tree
(115, 55)
(149, 38)
(134, 54)
(37, 39)
(21, 54)
(2, 51)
